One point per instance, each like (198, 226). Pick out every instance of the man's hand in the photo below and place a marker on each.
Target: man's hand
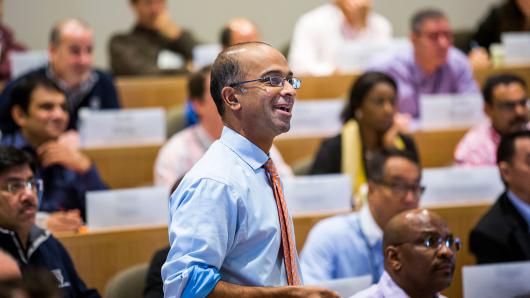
(356, 11)
(224, 289)
(56, 152)
(64, 221)
(401, 124)
(310, 292)
(165, 26)
(479, 58)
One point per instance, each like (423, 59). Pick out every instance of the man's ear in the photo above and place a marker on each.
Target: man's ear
(392, 258)
(504, 169)
(19, 116)
(487, 109)
(230, 98)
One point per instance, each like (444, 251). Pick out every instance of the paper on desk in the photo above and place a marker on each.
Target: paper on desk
(497, 280)
(450, 110)
(460, 185)
(127, 207)
(516, 47)
(318, 194)
(122, 127)
(347, 287)
(22, 62)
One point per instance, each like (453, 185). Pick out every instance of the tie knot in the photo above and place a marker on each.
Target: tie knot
(270, 168)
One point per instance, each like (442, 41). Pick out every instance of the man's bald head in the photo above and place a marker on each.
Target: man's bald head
(67, 26)
(227, 70)
(239, 30)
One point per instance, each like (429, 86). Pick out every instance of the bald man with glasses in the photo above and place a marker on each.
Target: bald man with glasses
(419, 256)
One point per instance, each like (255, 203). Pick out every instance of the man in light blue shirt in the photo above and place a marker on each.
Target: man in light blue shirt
(351, 245)
(224, 230)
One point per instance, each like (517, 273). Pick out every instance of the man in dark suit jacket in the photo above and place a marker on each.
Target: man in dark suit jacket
(503, 234)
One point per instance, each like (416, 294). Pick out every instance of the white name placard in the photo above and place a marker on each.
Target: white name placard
(460, 185)
(347, 287)
(205, 54)
(122, 127)
(497, 280)
(318, 194)
(450, 110)
(22, 62)
(127, 207)
(316, 117)
(516, 47)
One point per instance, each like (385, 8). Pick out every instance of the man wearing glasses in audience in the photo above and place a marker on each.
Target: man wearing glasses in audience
(230, 231)
(506, 104)
(19, 236)
(351, 245)
(420, 256)
(432, 66)
(502, 234)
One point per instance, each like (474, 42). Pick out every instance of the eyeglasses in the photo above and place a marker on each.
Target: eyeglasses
(401, 190)
(433, 241)
(16, 187)
(275, 81)
(510, 106)
(435, 36)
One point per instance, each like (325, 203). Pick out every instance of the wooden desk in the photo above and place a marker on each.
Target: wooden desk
(143, 92)
(132, 166)
(168, 91)
(100, 255)
(123, 167)
(435, 147)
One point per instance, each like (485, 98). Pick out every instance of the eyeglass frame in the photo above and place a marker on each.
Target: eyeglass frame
(510, 106)
(456, 242)
(420, 189)
(34, 184)
(296, 84)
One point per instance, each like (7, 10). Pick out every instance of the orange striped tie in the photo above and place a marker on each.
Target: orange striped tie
(288, 246)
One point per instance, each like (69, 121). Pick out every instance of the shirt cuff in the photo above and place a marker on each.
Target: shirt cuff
(202, 279)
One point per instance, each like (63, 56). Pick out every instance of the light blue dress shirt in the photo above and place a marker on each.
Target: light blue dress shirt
(343, 246)
(521, 206)
(224, 223)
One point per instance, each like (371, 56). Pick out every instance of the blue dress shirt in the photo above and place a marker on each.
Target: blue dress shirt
(343, 246)
(64, 189)
(224, 223)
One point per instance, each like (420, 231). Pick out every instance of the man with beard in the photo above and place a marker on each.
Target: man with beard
(507, 106)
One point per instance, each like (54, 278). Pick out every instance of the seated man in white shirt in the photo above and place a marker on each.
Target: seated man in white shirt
(420, 256)
(322, 32)
(506, 104)
(351, 245)
(185, 148)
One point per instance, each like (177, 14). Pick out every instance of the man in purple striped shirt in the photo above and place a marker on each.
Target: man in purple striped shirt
(431, 66)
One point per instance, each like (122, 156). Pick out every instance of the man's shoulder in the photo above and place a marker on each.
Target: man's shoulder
(338, 225)
(324, 12)
(456, 59)
(494, 221)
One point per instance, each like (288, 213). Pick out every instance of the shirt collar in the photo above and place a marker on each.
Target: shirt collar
(369, 227)
(521, 206)
(244, 148)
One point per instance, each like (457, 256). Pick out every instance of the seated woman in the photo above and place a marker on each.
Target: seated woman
(369, 126)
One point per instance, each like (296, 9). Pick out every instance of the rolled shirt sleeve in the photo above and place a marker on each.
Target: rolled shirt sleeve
(203, 228)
